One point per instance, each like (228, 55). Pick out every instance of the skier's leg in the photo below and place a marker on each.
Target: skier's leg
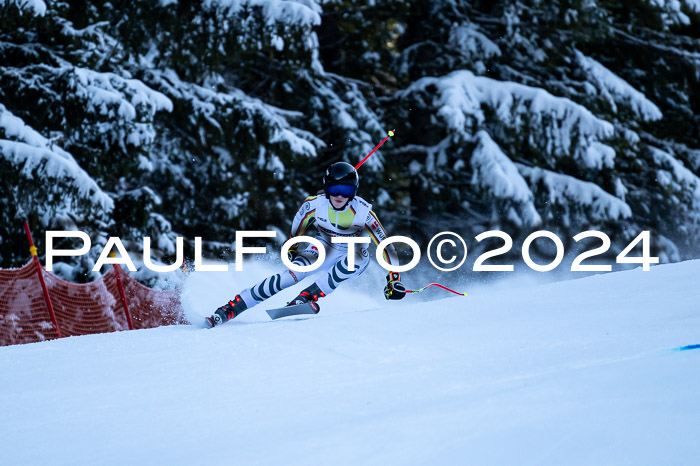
(278, 282)
(341, 271)
(263, 290)
(269, 287)
(362, 258)
(337, 273)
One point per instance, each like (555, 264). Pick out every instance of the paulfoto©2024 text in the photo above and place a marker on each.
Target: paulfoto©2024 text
(443, 238)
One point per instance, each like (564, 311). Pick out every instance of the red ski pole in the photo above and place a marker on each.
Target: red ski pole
(438, 285)
(391, 133)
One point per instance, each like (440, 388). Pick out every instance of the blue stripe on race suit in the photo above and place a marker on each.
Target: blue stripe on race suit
(346, 269)
(261, 290)
(271, 284)
(279, 283)
(336, 278)
(300, 260)
(254, 295)
(331, 284)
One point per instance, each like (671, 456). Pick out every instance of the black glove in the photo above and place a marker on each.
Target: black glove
(291, 255)
(394, 289)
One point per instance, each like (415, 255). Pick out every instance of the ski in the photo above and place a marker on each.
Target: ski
(298, 309)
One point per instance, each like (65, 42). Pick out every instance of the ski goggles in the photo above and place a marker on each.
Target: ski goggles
(344, 190)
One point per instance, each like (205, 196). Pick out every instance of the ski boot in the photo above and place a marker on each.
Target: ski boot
(227, 312)
(309, 296)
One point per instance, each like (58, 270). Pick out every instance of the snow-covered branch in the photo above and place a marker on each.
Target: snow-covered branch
(569, 193)
(305, 13)
(615, 89)
(557, 125)
(35, 7)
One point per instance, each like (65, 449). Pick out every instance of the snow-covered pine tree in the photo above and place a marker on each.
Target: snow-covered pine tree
(256, 119)
(68, 82)
(514, 121)
(42, 182)
(196, 117)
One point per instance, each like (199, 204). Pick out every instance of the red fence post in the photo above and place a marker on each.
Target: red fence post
(121, 292)
(32, 249)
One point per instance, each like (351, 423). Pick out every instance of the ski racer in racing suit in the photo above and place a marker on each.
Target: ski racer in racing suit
(337, 212)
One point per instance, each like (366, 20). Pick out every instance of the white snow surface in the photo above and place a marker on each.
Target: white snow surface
(575, 372)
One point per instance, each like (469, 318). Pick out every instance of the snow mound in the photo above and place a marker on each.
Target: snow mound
(575, 372)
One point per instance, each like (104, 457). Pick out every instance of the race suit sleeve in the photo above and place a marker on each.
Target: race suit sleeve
(377, 232)
(304, 218)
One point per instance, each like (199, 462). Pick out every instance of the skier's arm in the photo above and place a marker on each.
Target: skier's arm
(377, 232)
(394, 289)
(304, 218)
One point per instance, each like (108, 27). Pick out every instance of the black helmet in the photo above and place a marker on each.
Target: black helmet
(341, 173)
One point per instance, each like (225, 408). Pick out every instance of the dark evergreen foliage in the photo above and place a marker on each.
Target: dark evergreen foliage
(200, 118)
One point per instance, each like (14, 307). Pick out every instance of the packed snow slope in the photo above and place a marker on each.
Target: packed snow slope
(574, 372)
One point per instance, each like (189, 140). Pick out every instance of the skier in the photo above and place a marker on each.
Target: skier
(337, 211)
